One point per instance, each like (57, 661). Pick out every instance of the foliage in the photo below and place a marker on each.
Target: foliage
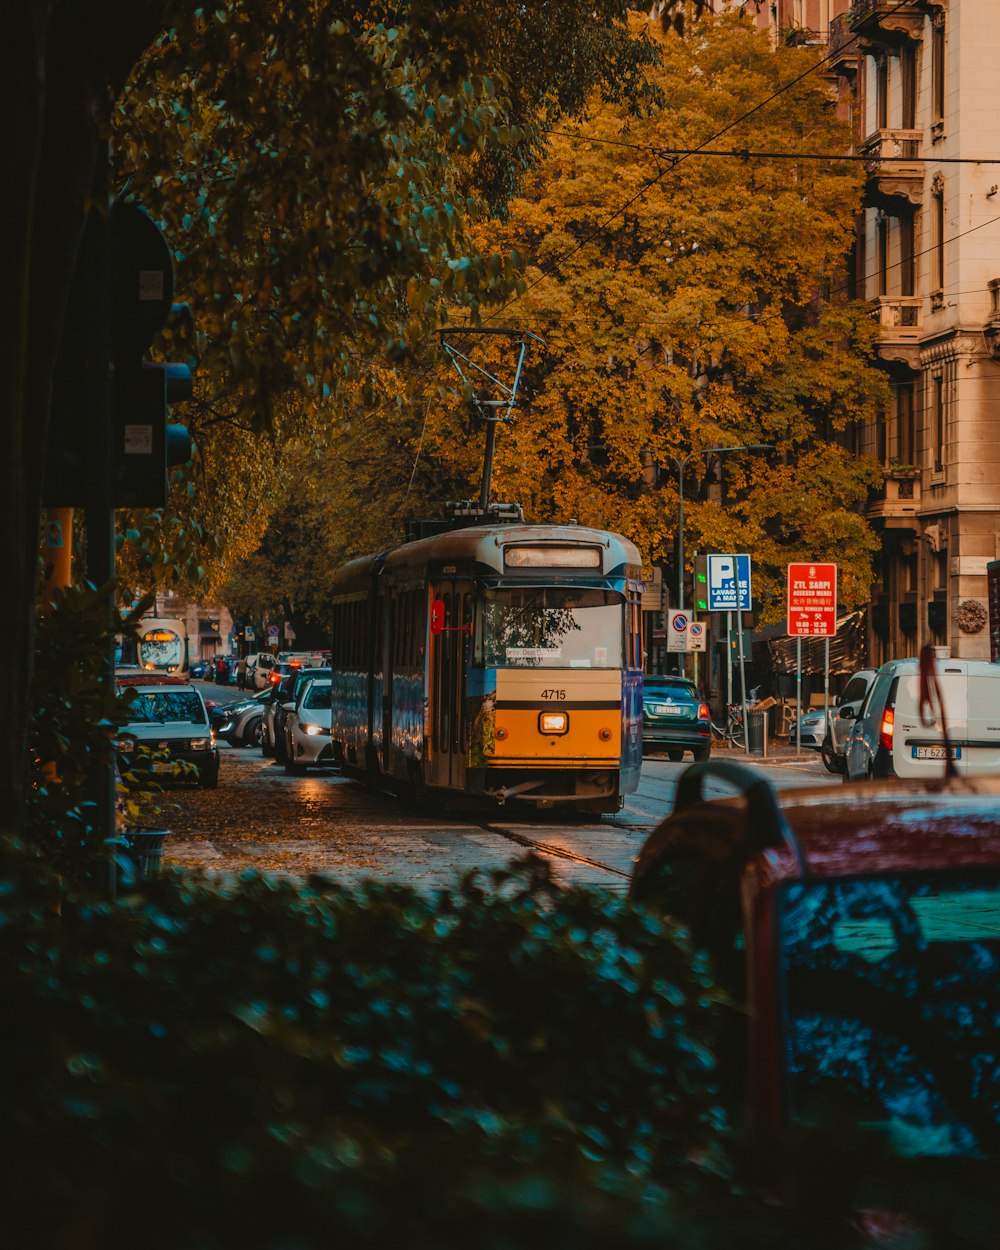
(316, 169)
(697, 308)
(497, 1064)
(367, 1063)
(74, 717)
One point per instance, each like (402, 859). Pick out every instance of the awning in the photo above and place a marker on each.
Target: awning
(848, 649)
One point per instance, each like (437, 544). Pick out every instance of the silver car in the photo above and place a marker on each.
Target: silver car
(307, 727)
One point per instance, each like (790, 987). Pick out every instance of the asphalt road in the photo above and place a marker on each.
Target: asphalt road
(261, 819)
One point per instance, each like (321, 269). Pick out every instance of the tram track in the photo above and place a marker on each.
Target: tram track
(546, 848)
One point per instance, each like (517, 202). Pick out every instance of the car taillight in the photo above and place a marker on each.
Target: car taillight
(703, 712)
(886, 728)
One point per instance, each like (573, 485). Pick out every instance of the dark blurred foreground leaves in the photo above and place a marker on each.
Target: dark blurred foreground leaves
(285, 1066)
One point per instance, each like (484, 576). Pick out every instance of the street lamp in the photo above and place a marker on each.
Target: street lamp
(680, 462)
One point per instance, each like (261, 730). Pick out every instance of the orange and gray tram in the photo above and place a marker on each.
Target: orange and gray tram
(497, 662)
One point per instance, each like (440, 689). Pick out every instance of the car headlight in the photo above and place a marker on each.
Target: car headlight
(200, 744)
(313, 730)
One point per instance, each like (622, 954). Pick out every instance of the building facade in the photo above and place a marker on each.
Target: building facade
(921, 76)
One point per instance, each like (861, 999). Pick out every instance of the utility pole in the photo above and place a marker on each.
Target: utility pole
(99, 489)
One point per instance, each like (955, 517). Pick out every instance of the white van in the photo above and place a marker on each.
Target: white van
(889, 739)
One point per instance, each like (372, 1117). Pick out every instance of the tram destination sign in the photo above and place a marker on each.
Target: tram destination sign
(812, 600)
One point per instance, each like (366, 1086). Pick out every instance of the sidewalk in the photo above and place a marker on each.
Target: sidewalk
(778, 752)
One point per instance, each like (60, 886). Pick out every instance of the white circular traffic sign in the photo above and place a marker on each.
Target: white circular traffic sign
(696, 629)
(679, 622)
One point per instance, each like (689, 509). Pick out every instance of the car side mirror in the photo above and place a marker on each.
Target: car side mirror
(288, 707)
(837, 700)
(848, 713)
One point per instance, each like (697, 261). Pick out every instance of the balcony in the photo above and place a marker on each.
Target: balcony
(991, 330)
(900, 319)
(843, 57)
(882, 22)
(895, 168)
(895, 505)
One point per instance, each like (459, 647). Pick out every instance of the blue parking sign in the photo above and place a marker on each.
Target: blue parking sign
(724, 573)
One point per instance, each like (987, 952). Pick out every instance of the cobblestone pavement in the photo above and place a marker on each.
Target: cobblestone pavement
(261, 819)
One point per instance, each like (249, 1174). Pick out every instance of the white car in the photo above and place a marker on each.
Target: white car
(259, 668)
(892, 736)
(307, 727)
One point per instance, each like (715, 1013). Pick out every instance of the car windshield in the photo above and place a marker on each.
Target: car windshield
(317, 697)
(550, 627)
(166, 705)
(664, 688)
(893, 997)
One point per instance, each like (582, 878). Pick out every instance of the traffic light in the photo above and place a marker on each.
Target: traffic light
(142, 288)
(141, 281)
(699, 587)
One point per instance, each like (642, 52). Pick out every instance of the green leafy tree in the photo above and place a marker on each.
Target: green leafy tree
(303, 226)
(696, 307)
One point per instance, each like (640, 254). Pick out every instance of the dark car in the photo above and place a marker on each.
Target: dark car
(858, 934)
(272, 742)
(675, 718)
(239, 723)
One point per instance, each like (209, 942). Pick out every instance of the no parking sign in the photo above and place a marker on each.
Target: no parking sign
(697, 636)
(677, 629)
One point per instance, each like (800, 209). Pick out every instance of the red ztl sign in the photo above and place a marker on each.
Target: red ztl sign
(812, 600)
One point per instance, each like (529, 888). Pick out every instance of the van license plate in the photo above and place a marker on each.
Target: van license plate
(937, 753)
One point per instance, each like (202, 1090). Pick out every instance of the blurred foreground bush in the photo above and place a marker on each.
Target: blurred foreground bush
(284, 1066)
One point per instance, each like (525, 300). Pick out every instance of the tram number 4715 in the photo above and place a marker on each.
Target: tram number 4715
(553, 694)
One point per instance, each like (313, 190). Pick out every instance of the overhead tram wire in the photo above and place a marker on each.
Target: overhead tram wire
(745, 154)
(675, 161)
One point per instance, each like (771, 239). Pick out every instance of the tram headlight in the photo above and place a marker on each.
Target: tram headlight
(553, 722)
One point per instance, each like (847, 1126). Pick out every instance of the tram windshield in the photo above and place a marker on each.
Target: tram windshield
(162, 647)
(551, 627)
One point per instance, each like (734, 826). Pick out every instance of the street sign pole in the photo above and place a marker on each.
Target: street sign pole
(826, 687)
(729, 661)
(798, 695)
(743, 671)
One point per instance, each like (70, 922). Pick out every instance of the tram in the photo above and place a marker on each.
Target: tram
(496, 662)
(163, 645)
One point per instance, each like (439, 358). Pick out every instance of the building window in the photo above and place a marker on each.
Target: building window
(937, 416)
(937, 68)
(908, 86)
(905, 449)
(881, 92)
(882, 253)
(937, 241)
(907, 267)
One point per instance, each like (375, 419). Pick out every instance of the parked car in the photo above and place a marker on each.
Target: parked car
(888, 737)
(813, 730)
(287, 695)
(259, 668)
(197, 671)
(675, 718)
(810, 729)
(859, 930)
(239, 723)
(168, 717)
(307, 727)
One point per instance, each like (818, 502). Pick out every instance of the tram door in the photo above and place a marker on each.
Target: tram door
(451, 653)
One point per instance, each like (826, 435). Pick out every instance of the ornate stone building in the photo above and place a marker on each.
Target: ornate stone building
(922, 75)
(917, 79)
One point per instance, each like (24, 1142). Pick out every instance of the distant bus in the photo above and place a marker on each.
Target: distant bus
(163, 645)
